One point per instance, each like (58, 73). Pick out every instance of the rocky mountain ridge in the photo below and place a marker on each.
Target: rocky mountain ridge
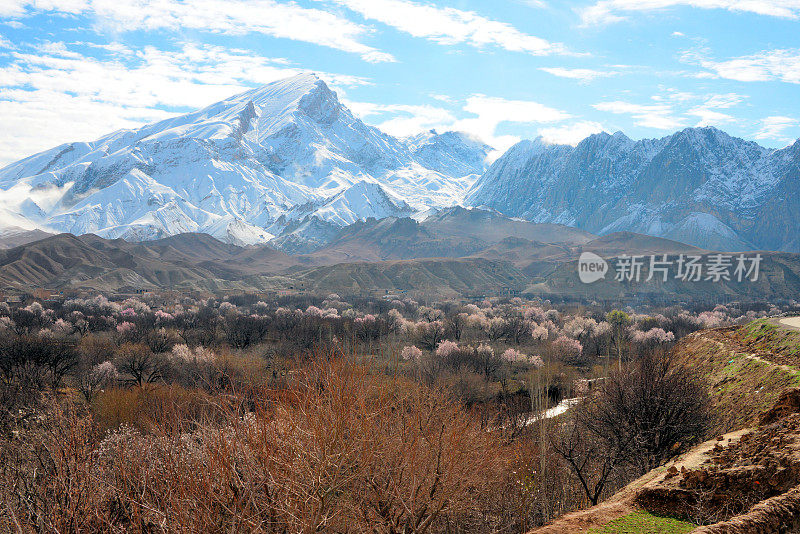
(700, 186)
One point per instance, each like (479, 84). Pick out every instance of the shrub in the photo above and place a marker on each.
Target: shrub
(569, 350)
(340, 450)
(411, 353)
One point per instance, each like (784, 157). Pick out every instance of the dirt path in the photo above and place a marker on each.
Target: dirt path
(791, 322)
(755, 357)
(622, 503)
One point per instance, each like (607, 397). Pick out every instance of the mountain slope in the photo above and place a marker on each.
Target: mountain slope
(243, 170)
(450, 153)
(699, 186)
(451, 233)
(15, 236)
(390, 255)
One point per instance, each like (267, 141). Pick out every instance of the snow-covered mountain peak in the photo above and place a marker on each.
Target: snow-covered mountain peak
(243, 169)
(605, 142)
(288, 159)
(290, 89)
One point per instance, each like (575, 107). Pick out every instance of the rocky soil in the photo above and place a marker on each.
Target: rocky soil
(762, 464)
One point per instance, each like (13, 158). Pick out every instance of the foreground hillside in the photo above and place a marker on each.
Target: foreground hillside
(745, 480)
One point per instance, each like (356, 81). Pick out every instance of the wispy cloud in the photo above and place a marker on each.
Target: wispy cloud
(480, 116)
(491, 112)
(570, 134)
(582, 75)
(286, 20)
(5, 43)
(675, 109)
(709, 113)
(442, 98)
(450, 26)
(775, 127)
(610, 11)
(538, 4)
(403, 120)
(657, 116)
(769, 65)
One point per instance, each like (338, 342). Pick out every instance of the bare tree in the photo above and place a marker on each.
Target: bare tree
(140, 364)
(241, 331)
(593, 459)
(660, 405)
(430, 334)
(618, 320)
(36, 363)
(639, 418)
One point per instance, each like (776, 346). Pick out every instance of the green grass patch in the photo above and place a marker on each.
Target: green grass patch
(768, 337)
(645, 523)
(758, 328)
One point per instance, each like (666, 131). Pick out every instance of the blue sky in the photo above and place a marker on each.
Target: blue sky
(72, 70)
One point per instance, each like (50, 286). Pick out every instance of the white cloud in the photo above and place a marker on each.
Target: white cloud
(488, 114)
(657, 116)
(672, 109)
(582, 75)
(491, 112)
(775, 128)
(570, 134)
(674, 95)
(285, 20)
(51, 94)
(710, 117)
(5, 43)
(405, 119)
(442, 98)
(450, 26)
(782, 65)
(38, 120)
(708, 112)
(609, 11)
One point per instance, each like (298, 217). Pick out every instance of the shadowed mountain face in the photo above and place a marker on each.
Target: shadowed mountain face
(189, 260)
(698, 186)
(451, 233)
(15, 236)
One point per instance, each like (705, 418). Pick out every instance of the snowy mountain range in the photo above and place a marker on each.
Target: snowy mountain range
(698, 186)
(286, 159)
(289, 164)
